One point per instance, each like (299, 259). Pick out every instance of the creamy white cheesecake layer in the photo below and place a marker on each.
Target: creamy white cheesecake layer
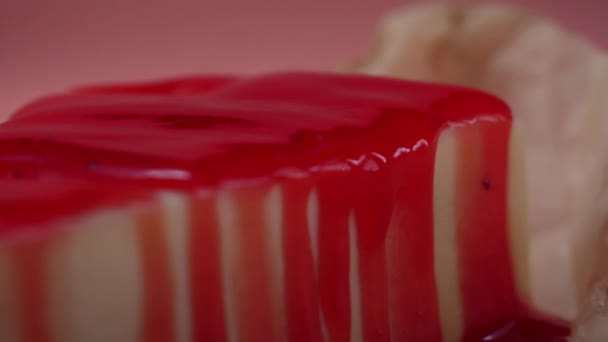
(446, 248)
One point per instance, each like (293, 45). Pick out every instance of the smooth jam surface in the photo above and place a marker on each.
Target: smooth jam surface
(205, 132)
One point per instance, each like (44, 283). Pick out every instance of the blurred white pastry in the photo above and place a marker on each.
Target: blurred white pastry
(557, 86)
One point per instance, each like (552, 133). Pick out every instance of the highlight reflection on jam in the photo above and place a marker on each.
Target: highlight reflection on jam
(392, 201)
(520, 330)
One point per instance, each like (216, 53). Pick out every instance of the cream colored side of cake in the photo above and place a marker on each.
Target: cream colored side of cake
(275, 255)
(95, 276)
(312, 216)
(177, 223)
(229, 258)
(519, 230)
(447, 275)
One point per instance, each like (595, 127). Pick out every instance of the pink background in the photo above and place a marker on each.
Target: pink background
(46, 46)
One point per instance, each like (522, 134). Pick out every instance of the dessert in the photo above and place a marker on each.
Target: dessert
(295, 206)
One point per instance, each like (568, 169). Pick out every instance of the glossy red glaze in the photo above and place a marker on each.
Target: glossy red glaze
(279, 125)
(207, 310)
(158, 323)
(304, 131)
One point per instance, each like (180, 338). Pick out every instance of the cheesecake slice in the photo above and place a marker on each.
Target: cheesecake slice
(284, 207)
